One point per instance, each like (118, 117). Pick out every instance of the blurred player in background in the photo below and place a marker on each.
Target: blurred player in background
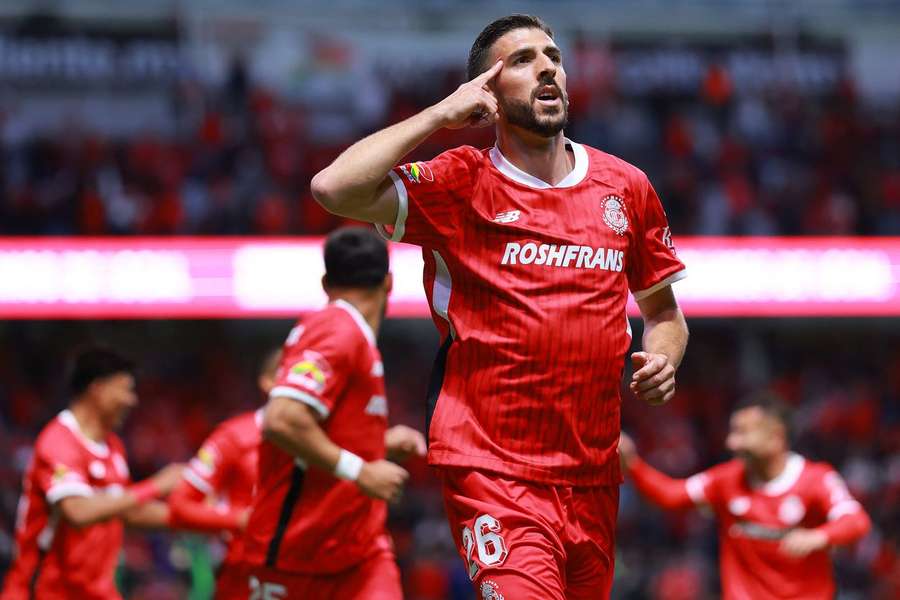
(77, 493)
(317, 529)
(531, 248)
(216, 491)
(778, 513)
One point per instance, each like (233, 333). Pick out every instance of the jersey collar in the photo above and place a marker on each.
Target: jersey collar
(574, 177)
(99, 449)
(793, 467)
(358, 318)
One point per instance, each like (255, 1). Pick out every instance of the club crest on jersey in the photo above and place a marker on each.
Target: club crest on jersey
(417, 172)
(490, 591)
(614, 213)
(311, 372)
(791, 511)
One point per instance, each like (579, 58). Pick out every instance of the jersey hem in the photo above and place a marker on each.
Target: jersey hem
(604, 474)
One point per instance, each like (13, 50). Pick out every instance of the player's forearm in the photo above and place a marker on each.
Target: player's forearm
(291, 426)
(152, 515)
(847, 529)
(666, 333)
(351, 183)
(88, 510)
(662, 490)
(188, 510)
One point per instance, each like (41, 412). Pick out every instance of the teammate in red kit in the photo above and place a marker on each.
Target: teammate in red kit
(531, 248)
(77, 493)
(317, 528)
(778, 513)
(216, 491)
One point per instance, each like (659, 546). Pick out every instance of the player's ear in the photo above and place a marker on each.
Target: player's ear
(388, 284)
(325, 283)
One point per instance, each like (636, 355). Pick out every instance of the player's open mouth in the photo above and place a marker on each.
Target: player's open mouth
(548, 94)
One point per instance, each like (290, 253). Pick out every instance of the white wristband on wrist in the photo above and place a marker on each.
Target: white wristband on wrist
(348, 466)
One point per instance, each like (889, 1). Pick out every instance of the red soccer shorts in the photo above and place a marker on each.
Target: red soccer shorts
(527, 541)
(233, 582)
(376, 578)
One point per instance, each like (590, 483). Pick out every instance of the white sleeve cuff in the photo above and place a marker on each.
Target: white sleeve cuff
(847, 507)
(696, 488)
(308, 399)
(676, 276)
(68, 489)
(402, 211)
(198, 482)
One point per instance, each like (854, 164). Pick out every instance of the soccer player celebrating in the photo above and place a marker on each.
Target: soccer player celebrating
(531, 248)
(77, 492)
(317, 526)
(778, 513)
(216, 491)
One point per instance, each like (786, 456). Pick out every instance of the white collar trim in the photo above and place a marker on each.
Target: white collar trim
(99, 449)
(360, 320)
(574, 177)
(793, 467)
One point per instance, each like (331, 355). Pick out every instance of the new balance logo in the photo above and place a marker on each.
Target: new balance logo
(510, 216)
(551, 255)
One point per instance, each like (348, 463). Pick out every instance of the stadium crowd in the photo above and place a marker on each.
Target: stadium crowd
(846, 402)
(239, 159)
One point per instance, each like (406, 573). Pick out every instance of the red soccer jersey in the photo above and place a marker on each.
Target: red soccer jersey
(528, 284)
(226, 467)
(753, 518)
(307, 520)
(53, 558)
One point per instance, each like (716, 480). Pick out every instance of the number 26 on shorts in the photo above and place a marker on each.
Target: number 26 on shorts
(488, 541)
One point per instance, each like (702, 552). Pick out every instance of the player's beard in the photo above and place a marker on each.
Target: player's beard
(524, 114)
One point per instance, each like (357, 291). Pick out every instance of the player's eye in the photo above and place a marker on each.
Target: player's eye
(522, 60)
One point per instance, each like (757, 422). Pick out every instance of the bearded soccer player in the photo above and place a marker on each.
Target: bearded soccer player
(531, 248)
(77, 493)
(778, 513)
(317, 527)
(216, 491)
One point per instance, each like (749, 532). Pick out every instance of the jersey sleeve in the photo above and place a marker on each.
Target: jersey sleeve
(430, 195)
(654, 263)
(704, 488)
(833, 497)
(208, 468)
(317, 361)
(61, 470)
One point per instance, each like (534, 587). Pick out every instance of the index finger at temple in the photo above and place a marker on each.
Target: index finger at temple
(489, 74)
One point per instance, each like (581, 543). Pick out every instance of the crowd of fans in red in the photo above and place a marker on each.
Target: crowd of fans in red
(239, 160)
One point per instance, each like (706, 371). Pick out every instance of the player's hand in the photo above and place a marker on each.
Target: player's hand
(383, 480)
(654, 377)
(243, 519)
(403, 442)
(167, 478)
(473, 104)
(627, 450)
(801, 542)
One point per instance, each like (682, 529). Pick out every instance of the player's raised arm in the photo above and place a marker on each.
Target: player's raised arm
(657, 487)
(357, 185)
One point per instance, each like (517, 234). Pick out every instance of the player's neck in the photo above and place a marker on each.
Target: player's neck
(369, 306)
(544, 158)
(770, 469)
(89, 422)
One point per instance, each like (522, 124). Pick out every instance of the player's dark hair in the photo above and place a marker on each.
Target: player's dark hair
(772, 405)
(95, 362)
(478, 54)
(355, 257)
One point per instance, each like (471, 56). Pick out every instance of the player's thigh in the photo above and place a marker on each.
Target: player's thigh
(591, 552)
(504, 533)
(376, 578)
